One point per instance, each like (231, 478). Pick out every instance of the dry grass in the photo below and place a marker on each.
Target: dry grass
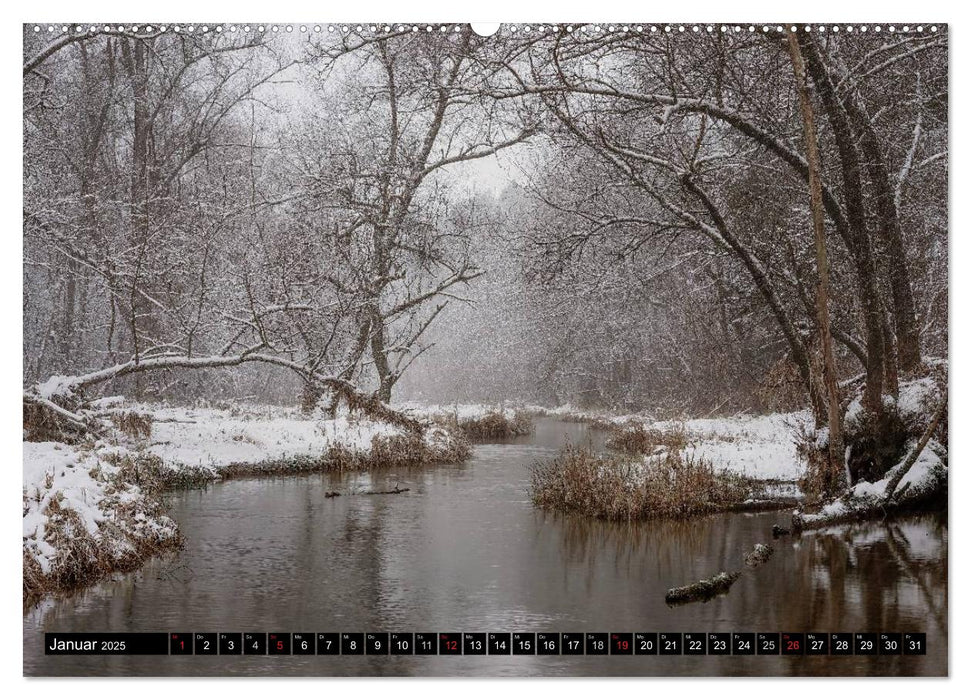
(137, 426)
(637, 438)
(123, 541)
(402, 451)
(494, 425)
(612, 488)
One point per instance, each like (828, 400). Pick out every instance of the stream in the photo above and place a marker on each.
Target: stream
(465, 550)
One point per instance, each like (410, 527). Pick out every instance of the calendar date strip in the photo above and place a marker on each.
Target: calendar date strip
(486, 643)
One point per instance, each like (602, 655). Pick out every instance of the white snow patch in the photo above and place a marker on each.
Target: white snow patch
(58, 385)
(466, 411)
(917, 399)
(760, 447)
(82, 482)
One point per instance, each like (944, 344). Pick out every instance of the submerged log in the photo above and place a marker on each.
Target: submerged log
(392, 492)
(758, 556)
(332, 494)
(778, 531)
(702, 591)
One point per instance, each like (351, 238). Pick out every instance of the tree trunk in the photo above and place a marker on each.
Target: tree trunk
(135, 57)
(835, 479)
(904, 310)
(860, 249)
(379, 354)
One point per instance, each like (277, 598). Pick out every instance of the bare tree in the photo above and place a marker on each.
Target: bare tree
(834, 479)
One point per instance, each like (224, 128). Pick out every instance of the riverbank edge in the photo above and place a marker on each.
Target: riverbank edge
(78, 555)
(922, 490)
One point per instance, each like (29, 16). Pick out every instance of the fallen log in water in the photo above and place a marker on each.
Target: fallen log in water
(763, 505)
(703, 590)
(922, 489)
(393, 491)
(758, 556)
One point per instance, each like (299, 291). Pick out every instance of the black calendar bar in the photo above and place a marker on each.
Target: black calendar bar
(106, 643)
(381, 644)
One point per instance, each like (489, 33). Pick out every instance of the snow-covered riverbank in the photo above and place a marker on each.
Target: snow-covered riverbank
(770, 452)
(757, 447)
(95, 508)
(86, 514)
(478, 422)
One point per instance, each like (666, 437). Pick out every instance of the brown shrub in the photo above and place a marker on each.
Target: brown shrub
(637, 438)
(137, 426)
(613, 488)
(781, 389)
(494, 425)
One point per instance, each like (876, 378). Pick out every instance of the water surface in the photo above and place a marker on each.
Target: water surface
(464, 550)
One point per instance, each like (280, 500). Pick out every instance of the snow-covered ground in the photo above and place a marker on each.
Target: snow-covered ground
(461, 411)
(73, 495)
(760, 447)
(214, 437)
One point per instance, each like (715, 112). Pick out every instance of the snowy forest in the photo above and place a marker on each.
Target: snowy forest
(396, 227)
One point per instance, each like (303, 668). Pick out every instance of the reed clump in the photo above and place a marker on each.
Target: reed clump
(672, 485)
(396, 451)
(494, 425)
(135, 425)
(637, 438)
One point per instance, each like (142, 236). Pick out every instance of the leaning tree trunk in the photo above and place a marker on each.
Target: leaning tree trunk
(834, 479)
(65, 405)
(379, 354)
(797, 349)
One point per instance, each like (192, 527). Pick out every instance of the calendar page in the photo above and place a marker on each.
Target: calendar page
(391, 349)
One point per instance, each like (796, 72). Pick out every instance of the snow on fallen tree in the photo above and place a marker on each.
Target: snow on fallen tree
(702, 591)
(897, 462)
(917, 482)
(55, 409)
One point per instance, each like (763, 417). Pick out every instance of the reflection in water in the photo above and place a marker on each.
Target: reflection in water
(464, 550)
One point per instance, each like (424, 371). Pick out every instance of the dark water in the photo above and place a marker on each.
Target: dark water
(464, 550)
